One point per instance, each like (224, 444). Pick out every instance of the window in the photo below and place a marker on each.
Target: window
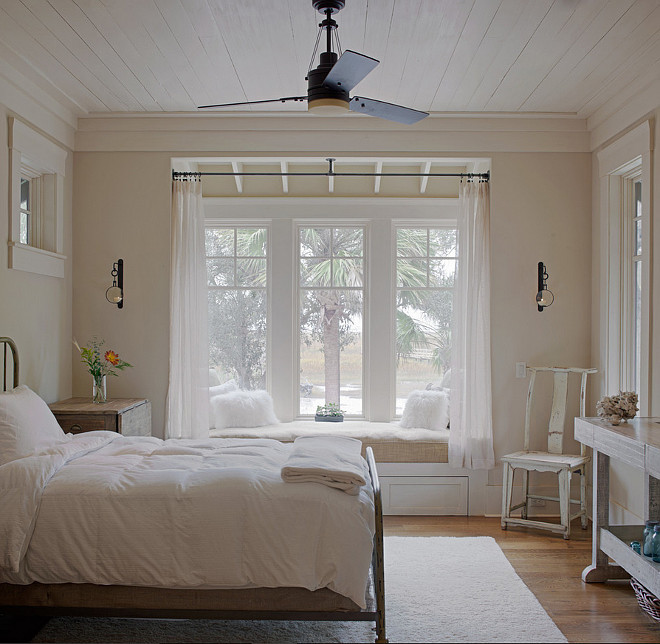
(26, 211)
(331, 282)
(237, 272)
(327, 321)
(425, 268)
(36, 224)
(632, 264)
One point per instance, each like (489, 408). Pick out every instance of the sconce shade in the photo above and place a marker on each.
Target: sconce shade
(545, 298)
(114, 295)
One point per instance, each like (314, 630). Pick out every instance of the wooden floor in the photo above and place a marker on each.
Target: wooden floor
(551, 566)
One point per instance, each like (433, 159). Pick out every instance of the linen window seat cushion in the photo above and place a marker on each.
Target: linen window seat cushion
(390, 442)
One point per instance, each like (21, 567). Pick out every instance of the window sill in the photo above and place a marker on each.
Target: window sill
(35, 260)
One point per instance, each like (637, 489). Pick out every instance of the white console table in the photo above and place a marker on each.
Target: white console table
(637, 443)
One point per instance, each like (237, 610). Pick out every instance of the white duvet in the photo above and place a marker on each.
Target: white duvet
(107, 509)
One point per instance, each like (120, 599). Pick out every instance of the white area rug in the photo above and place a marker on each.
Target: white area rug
(438, 589)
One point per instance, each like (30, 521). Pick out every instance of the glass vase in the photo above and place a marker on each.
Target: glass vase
(99, 392)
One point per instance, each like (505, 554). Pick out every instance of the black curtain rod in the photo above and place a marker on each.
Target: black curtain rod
(484, 176)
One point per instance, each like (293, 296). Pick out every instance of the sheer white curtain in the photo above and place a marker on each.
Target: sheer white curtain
(188, 392)
(471, 425)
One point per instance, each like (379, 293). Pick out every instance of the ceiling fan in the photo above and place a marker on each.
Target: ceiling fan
(329, 84)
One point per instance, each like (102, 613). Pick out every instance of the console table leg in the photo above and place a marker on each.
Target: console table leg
(651, 497)
(600, 570)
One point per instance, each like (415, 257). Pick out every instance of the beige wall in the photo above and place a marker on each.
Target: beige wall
(122, 210)
(35, 310)
(540, 211)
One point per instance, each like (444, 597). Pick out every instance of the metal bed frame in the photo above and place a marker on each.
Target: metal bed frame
(244, 604)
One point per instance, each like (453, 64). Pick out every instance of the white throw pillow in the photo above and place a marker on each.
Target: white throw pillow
(446, 379)
(218, 390)
(27, 425)
(214, 379)
(426, 409)
(243, 409)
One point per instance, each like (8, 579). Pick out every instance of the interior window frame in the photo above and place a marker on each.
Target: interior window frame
(333, 224)
(251, 224)
(428, 226)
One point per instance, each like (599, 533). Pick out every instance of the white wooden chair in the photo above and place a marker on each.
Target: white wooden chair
(554, 460)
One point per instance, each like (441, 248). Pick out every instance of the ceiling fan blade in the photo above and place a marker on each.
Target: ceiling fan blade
(349, 70)
(271, 100)
(388, 111)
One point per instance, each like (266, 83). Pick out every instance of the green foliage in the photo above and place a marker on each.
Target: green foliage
(237, 317)
(424, 309)
(98, 362)
(329, 409)
(237, 335)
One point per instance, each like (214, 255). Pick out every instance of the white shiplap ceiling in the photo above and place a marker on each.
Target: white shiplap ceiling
(560, 56)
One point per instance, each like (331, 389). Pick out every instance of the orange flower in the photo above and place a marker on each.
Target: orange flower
(112, 358)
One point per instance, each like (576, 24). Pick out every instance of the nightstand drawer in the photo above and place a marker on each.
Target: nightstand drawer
(77, 423)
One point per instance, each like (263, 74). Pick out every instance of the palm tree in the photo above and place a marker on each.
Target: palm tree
(423, 315)
(332, 258)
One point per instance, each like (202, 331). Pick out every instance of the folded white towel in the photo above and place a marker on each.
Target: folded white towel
(335, 461)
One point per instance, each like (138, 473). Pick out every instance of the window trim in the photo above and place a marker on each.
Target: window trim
(31, 153)
(630, 152)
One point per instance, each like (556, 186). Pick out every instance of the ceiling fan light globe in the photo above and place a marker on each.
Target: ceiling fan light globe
(327, 106)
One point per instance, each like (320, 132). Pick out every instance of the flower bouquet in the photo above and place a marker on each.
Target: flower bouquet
(100, 364)
(617, 409)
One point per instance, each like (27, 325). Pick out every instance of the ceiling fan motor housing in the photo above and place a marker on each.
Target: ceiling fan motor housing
(315, 87)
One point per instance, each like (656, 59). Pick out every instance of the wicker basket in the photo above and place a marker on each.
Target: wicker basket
(648, 602)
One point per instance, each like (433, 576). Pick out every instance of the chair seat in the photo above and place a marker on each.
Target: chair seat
(558, 461)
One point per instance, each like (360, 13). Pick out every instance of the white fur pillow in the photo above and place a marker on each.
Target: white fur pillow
(426, 409)
(27, 425)
(243, 409)
(225, 388)
(218, 390)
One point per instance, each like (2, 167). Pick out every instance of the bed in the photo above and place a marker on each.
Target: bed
(43, 574)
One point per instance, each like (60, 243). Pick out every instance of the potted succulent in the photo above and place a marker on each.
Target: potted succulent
(329, 413)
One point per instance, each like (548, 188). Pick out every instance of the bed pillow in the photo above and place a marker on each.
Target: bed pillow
(27, 425)
(426, 409)
(243, 409)
(217, 390)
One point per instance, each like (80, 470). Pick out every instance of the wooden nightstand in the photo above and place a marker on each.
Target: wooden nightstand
(128, 416)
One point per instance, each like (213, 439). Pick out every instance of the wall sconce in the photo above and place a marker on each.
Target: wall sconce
(544, 297)
(115, 294)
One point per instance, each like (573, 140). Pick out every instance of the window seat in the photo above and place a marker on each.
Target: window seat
(390, 442)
